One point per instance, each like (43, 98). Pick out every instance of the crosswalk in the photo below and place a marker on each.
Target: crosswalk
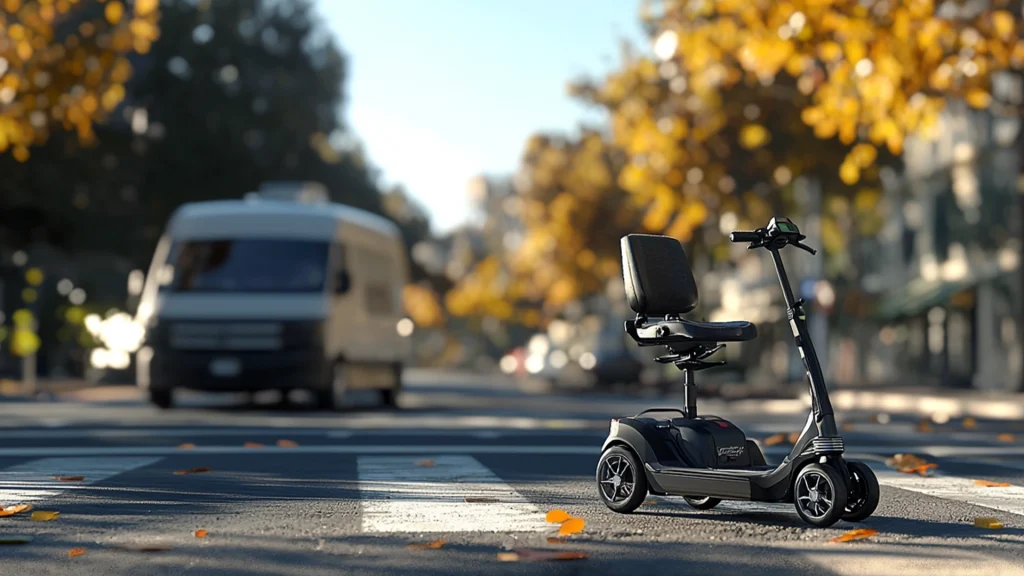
(431, 487)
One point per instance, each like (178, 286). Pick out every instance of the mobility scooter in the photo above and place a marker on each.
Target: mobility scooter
(706, 459)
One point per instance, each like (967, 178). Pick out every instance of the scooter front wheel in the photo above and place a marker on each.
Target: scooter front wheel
(621, 480)
(819, 494)
(864, 492)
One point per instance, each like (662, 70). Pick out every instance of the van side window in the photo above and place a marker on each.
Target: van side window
(378, 270)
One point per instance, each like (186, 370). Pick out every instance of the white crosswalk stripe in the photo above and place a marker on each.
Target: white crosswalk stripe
(400, 496)
(35, 480)
(1004, 498)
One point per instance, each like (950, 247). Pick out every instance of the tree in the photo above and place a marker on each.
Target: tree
(64, 64)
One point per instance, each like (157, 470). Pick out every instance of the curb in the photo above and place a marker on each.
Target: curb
(1005, 407)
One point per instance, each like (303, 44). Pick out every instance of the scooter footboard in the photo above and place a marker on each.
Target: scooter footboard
(694, 483)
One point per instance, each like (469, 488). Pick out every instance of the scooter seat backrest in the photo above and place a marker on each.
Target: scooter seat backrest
(657, 275)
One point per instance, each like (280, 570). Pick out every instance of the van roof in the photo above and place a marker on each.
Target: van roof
(339, 213)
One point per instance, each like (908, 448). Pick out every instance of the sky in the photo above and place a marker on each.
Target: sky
(440, 91)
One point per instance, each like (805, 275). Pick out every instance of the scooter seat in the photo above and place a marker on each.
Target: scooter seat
(686, 330)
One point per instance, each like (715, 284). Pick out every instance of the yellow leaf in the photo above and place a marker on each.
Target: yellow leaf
(1006, 437)
(988, 484)
(186, 446)
(427, 545)
(425, 463)
(849, 173)
(114, 12)
(830, 51)
(145, 7)
(16, 509)
(852, 535)
(969, 422)
(987, 522)
(1003, 22)
(754, 136)
(557, 516)
(287, 444)
(571, 526)
(200, 534)
(44, 515)
(978, 98)
(76, 552)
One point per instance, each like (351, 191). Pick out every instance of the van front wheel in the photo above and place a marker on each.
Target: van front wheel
(333, 396)
(389, 396)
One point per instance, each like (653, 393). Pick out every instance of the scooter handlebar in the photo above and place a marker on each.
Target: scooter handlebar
(744, 237)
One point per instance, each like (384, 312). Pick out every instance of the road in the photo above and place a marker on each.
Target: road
(348, 492)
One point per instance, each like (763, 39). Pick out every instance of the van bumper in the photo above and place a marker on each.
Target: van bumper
(278, 370)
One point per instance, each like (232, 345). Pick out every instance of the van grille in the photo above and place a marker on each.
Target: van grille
(226, 336)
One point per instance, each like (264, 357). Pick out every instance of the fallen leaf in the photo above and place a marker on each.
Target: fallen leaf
(76, 552)
(427, 545)
(793, 437)
(16, 509)
(200, 534)
(925, 425)
(143, 547)
(649, 502)
(252, 445)
(192, 471)
(969, 423)
(427, 463)
(556, 540)
(910, 464)
(990, 523)
(858, 534)
(775, 439)
(15, 539)
(186, 446)
(571, 526)
(475, 500)
(45, 515)
(1006, 437)
(69, 478)
(847, 427)
(287, 444)
(988, 484)
(557, 516)
(539, 555)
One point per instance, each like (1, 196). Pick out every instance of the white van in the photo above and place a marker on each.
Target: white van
(282, 290)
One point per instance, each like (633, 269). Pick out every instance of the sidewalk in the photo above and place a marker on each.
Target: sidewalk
(13, 390)
(930, 401)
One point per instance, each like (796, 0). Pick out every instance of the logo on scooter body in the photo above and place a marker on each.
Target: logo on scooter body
(731, 451)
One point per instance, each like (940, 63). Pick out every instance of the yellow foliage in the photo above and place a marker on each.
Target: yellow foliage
(44, 73)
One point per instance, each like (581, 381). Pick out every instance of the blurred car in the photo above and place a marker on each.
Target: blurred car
(279, 291)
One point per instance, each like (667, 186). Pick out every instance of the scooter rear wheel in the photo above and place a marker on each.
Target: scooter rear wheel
(621, 480)
(819, 495)
(702, 502)
(863, 497)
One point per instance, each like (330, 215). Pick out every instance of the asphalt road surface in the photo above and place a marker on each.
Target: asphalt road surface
(475, 462)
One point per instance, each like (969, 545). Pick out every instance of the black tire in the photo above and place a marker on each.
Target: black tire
(862, 499)
(162, 398)
(621, 480)
(819, 495)
(702, 502)
(389, 396)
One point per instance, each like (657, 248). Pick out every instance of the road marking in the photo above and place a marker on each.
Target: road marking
(399, 496)
(33, 481)
(1006, 499)
(588, 450)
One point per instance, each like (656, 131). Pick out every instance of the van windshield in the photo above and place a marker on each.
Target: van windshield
(247, 265)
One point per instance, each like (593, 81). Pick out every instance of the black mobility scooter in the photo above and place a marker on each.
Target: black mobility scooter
(707, 459)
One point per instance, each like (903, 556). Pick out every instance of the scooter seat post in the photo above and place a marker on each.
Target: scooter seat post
(689, 394)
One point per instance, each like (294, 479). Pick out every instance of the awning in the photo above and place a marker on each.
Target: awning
(920, 295)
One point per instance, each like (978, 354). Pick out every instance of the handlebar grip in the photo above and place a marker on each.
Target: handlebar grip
(744, 237)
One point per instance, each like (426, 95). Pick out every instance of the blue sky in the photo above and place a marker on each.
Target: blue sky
(442, 90)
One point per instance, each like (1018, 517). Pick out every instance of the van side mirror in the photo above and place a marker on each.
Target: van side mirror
(342, 283)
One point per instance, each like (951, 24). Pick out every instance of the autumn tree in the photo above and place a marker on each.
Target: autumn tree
(64, 64)
(572, 214)
(741, 97)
